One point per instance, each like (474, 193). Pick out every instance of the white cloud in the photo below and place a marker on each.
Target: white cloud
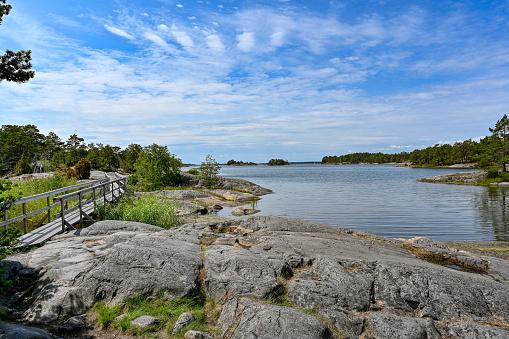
(246, 41)
(182, 37)
(157, 40)
(180, 6)
(214, 42)
(119, 32)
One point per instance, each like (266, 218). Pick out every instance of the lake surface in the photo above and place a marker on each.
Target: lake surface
(383, 199)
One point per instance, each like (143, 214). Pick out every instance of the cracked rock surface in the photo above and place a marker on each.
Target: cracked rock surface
(332, 282)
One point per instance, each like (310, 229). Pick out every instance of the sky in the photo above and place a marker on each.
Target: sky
(255, 80)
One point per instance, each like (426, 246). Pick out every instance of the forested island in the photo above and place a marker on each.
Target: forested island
(278, 162)
(489, 151)
(240, 163)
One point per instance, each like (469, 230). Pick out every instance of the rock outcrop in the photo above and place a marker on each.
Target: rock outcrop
(277, 278)
(463, 177)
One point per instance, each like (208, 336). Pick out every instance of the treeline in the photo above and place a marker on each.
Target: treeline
(489, 151)
(278, 162)
(240, 163)
(23, 149)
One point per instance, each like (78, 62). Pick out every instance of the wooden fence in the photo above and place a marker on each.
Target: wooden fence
(88, 195)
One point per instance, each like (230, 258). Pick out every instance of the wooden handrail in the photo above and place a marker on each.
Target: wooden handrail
(90, 186)
(58, 191)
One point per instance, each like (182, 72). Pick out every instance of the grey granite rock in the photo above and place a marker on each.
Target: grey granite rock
(468, 330)
(14, 331)
(197, 335)
(381, 326)
(73, 323)
(237, 271)
(145, 321)
(183, 320)
(82, 270)
(245, 318)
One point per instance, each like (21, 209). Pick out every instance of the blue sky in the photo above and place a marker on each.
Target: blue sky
(255, 80)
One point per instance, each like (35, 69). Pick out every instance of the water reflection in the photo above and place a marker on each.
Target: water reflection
(493, 211)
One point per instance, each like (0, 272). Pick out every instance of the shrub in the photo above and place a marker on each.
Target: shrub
(65, 171)
(492, 173)
(23, 165)
(193, 171)
(208, 172)
(82, 169)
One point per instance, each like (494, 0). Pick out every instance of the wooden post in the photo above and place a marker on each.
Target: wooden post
(93, 197)
(81, 211)
(25, 226)
(62, 214)
(49, 211)
(104, 195)
(112, 192)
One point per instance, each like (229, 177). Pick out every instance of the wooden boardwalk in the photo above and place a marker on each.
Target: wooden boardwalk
(88, 196)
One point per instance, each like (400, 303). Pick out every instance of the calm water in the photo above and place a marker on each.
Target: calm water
(384, 199)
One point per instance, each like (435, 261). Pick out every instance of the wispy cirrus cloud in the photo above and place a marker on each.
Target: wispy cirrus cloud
(119, 32)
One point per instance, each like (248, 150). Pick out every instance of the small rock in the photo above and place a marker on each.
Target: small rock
(226, 241)
(145, 321)
(197, 335)
(73, 323)
(185, 319)
(120, 317)
(242, 210)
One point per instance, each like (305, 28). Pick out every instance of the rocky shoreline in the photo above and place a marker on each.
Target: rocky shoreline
(272, 277)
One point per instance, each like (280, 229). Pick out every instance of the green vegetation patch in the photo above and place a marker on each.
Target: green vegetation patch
(446, 260)
(492, 249)
(149, 209)
(119, 317)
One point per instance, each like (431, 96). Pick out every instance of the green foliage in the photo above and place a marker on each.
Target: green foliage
(129, 157)
(82, 169)
(208, 172)
(239, 163)
(156, 168)
(7, 199)
(492, 173)
(8, 236)
(23, 165)
(149, 209)
(16, 141)
(166, 310)
(14, 66)
(193, 171)
(8, 240)
(278, 162)
(32, 187)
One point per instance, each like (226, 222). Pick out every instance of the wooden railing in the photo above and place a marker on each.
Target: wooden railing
(110, 190)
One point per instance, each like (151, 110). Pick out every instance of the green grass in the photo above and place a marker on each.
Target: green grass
(32, 187)
(149, 209)
(204, 310)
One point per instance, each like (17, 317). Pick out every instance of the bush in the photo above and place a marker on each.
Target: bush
(193, 171)
(157, 168)
(82, 169)
(23, 165)
(492, 173)
(63, 170)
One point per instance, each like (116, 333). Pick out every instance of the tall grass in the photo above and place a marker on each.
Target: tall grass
(150, 209)
(32, 187)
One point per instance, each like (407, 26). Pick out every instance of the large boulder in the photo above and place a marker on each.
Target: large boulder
(245, 318)
(115, 267)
